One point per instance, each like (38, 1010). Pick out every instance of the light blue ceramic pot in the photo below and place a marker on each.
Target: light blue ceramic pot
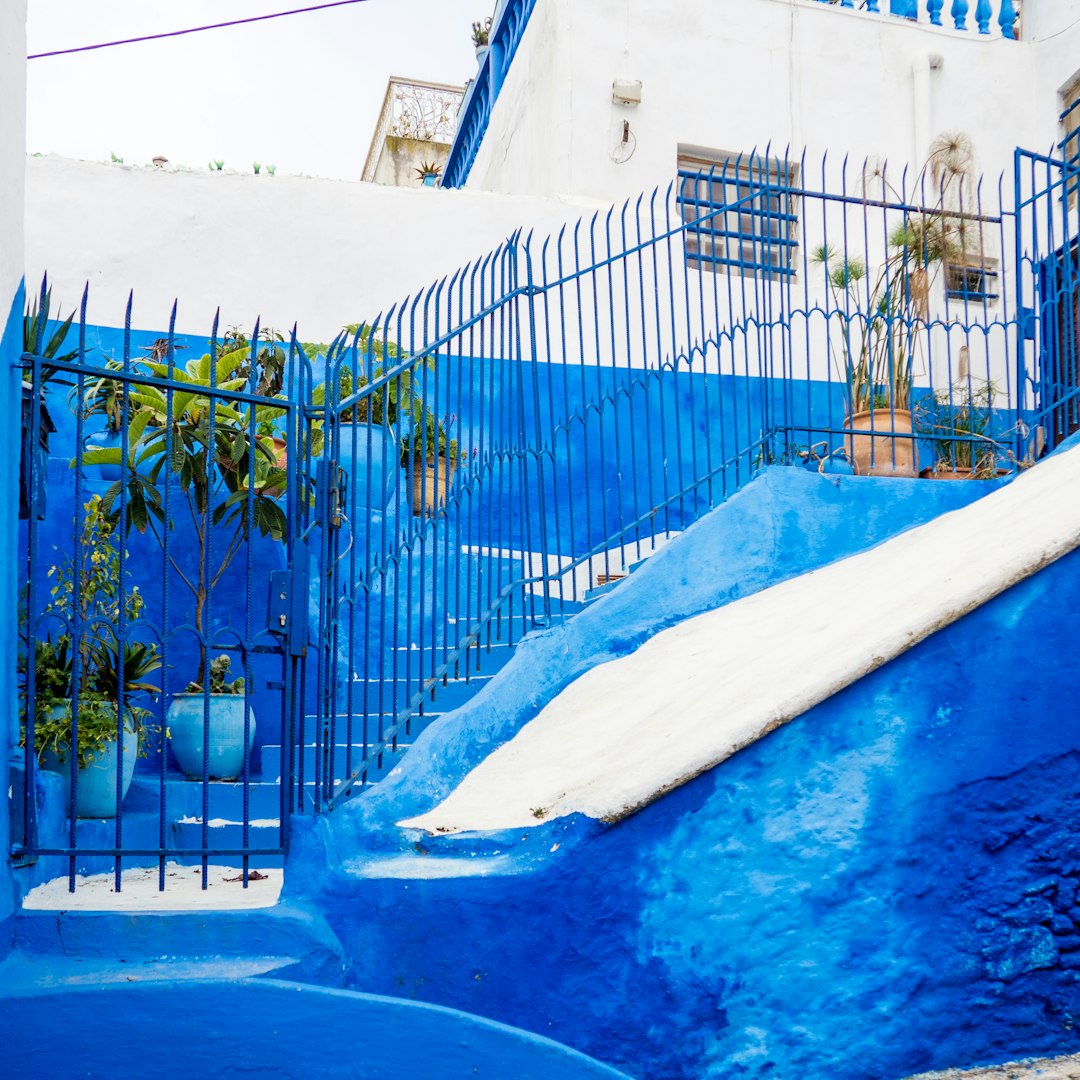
(97, 779)
(369, 455)
(226, 750)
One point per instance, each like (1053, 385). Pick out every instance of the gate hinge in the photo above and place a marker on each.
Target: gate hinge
(329, 492)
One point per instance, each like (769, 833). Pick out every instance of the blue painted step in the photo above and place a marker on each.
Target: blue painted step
(228, 834)
(184, 798)
(271, 759)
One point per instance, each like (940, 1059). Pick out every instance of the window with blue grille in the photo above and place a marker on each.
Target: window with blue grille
(740, 213)
(972, 283)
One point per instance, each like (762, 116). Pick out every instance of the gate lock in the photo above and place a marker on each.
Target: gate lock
(286, 605)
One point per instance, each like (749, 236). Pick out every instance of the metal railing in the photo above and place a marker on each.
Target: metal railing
(579, 399)
(469, 465)
(503, 40)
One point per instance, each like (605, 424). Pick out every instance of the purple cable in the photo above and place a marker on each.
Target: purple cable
(193, 29)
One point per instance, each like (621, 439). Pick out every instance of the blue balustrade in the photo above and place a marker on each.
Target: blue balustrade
(959, 14)
(1007, 19)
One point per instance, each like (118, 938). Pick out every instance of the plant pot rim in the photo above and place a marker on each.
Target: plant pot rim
(849, 417)
(431, 459)
(199, 694)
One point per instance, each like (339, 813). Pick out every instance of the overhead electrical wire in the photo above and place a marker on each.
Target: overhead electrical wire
(193, 29)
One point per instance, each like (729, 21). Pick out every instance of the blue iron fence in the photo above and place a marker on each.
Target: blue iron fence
(471, 464)
(559, 408)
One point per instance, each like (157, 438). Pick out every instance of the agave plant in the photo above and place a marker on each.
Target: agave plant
(41, 340)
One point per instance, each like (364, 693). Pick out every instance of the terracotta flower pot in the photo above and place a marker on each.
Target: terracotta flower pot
(431, 484)
(880, 454)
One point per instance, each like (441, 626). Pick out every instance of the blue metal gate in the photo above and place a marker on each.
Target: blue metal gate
(1048, 292)
(161, 573)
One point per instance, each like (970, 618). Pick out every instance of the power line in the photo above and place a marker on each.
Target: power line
(193, 29)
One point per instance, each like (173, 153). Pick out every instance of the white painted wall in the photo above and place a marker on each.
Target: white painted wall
(320, 252)
(324, 253)
(740, 75)
(12, 147)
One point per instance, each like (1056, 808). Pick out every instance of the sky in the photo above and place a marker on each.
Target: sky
(301, 92)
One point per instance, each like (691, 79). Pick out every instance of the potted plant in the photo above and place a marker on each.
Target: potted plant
(224, 700)
(212, 469)
(430, 456)
(84, 673)
(879, 341)
(367, 447)
(957, 420)
(428, 173)
(481, 31)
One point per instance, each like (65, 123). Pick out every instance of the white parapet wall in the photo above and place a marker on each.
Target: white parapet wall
(630, 730)
(286, 248)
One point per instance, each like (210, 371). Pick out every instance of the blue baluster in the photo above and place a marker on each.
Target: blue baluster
(872, 5)
(934, 9)
(847, 3)
(1007, 18)
(983, 12)
(907, 9)
(959, 14)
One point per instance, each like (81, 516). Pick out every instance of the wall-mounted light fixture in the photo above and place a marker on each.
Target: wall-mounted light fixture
(626, 92)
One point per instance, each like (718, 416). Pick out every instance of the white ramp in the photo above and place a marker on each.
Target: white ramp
(630, 730)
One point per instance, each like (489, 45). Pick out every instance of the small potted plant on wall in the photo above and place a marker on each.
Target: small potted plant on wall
(429, 456)
(428, 173)
(91, 591)
(481, 31)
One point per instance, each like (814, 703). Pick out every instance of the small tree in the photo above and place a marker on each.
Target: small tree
(211, 448)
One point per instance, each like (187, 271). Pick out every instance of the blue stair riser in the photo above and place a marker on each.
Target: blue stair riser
(341, 766)
(184, 798)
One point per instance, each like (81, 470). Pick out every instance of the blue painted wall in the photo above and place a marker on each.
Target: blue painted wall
(10, 351)
(225, 1028)
(885, 885)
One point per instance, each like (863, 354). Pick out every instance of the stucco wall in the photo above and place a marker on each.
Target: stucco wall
(883, 886)
(323, 252)
(12, 149)
(782, 71)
